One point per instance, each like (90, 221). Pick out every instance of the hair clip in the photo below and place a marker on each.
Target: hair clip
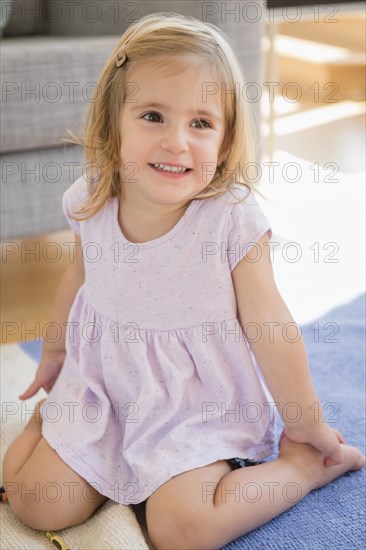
(121, 57)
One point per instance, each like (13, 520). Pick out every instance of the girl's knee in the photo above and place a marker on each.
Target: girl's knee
(44, 507)
(41, 506)
(47, 494)
(176, 515)
(50, 497)
(183, 531)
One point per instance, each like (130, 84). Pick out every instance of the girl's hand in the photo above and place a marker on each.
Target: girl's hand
(327, 440)
(47, 373)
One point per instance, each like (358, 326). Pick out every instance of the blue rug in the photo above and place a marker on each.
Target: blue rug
(332, 517)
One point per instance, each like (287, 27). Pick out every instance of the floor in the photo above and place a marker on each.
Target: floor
(316, 208)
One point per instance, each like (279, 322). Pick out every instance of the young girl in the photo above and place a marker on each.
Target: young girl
(159, 390)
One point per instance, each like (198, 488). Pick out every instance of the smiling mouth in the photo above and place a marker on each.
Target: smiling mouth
(170, 169)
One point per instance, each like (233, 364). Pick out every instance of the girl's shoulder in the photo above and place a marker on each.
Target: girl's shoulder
(75, 198)
(80, 188)
(246, 222)
(242, 204)
(239, 198)
(235, 212)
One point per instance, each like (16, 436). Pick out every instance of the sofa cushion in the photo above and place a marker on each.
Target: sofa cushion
(47, 86)
(48, 80)
(241, 21)
(32, 186)
(110, 16)
(23, 17)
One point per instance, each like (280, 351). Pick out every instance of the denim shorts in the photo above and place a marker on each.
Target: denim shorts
(242, 462)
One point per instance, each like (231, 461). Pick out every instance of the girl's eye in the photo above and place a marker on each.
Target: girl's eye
(152, 113)
(203, 123)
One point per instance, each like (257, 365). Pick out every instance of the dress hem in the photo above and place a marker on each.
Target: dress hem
(109, 489)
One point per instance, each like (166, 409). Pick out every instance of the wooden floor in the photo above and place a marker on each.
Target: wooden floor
(30, 276)
(29, 280)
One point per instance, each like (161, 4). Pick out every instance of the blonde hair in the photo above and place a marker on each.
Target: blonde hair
(152, 37)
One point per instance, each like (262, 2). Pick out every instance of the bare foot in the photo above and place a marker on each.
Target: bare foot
(35, 423)
(312, 461)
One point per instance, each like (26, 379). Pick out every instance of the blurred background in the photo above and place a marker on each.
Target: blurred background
(305, 67)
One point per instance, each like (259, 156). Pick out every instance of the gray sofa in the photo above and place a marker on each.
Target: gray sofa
(51, 57)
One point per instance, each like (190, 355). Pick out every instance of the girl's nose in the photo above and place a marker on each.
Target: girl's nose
(175, 140)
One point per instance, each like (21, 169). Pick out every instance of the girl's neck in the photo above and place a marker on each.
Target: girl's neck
(141, 225)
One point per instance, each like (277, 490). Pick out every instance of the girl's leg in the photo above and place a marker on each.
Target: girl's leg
(204, 509)
(42, 490)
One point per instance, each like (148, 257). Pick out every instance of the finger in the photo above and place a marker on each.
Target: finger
(30, 391)
(47, 388)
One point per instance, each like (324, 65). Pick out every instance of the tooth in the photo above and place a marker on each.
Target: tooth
(174, 169)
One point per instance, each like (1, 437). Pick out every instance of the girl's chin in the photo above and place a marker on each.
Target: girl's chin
(175, 198)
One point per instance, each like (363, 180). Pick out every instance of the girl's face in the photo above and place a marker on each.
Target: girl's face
(159, 125)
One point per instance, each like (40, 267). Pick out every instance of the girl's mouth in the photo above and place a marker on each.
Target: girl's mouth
(172, 172)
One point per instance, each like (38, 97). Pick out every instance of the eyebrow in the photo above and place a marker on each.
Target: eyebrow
(161, 106)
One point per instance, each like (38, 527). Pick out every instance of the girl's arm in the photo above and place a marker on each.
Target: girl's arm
(71, 281)
(280, 352)
(53, 353)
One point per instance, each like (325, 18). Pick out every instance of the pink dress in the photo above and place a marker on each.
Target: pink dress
(158, 377)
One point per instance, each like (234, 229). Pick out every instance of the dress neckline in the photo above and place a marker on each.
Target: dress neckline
(159, 240)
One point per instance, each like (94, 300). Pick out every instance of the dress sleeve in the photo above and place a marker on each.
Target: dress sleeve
(246, 224)
(72, 199)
